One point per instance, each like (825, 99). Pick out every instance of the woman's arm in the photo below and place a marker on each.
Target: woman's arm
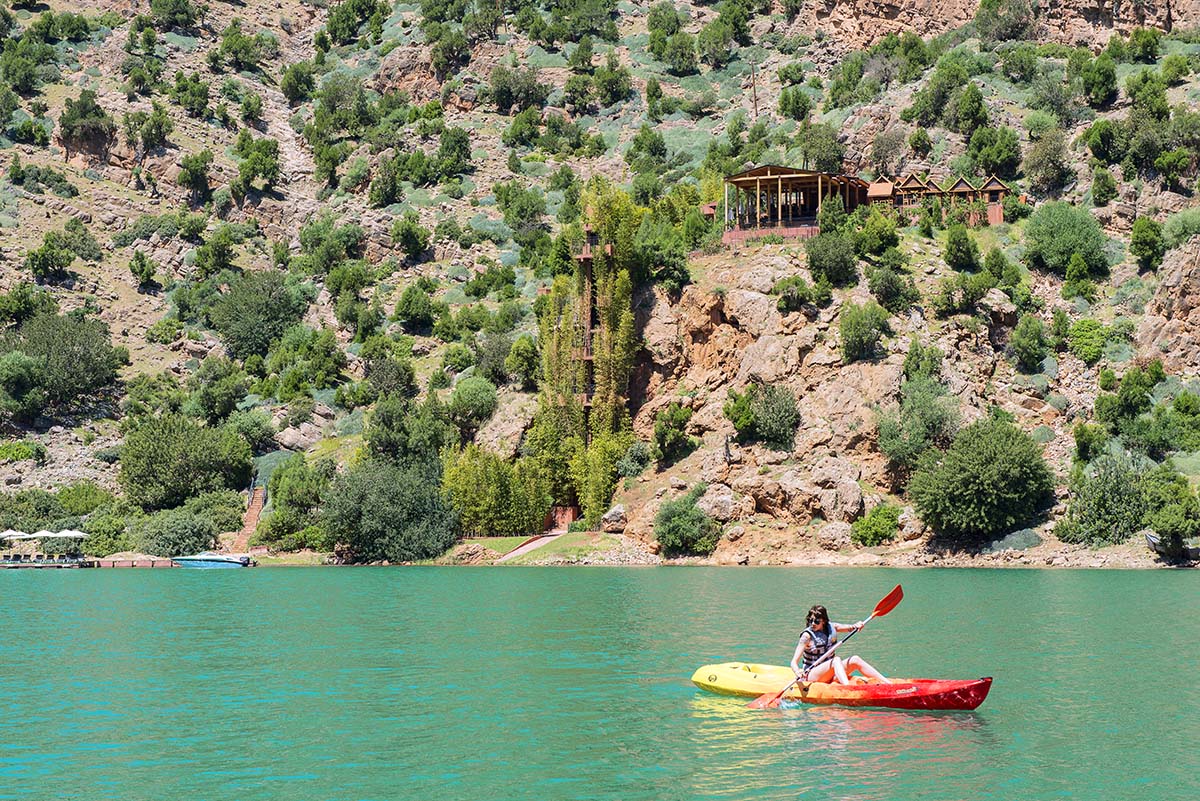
(798, 654)
(846, 626)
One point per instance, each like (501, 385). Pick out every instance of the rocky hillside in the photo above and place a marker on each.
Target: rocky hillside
(291, 215)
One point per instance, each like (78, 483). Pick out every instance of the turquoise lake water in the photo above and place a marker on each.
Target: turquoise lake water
(542, 683)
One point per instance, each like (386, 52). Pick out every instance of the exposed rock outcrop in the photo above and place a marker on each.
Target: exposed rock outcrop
(1170, 329)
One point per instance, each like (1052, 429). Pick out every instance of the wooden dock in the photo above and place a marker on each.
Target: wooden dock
(135, 563)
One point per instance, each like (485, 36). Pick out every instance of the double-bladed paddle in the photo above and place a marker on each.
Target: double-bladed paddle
(771, 700)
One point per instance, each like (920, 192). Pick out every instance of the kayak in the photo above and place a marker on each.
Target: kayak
(750, 680)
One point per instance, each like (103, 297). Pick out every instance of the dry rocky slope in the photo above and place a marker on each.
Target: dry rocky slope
(724, 330)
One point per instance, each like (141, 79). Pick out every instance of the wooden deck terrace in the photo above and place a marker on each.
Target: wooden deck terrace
(797, 231)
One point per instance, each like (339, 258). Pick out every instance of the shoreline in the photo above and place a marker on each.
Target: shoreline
(632, 552)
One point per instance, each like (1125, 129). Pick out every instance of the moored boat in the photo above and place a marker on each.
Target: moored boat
(213, 560)
(752, 680)
(1159, 547)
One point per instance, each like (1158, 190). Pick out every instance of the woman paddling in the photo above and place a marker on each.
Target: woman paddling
(816, 640)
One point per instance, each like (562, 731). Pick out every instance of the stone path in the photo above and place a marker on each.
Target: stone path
(532, 545)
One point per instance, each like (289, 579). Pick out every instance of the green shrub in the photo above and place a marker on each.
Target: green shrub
(54, 360)
(1180, 227)
(296, 489)
(832, 256)
(472, 403)
(1090, 441)
(682, 528)
(385, 511)
(1104, 186)
(107, 535)
(223, 508)
(893, 288)
(767, 413)
(1087, 339)
(492, 496)
(961, 252)
(636, 459)
(794, 293)
(1146, 243)
(861, 327)
(992, 480)
(22, 450)
(166, 460)
(927, 416)
(409, 236)
(1029, 343)
(879, 526)
(1056, 231)
(83, 498)
(254, 426)
(258, 307)
(1107, 504)
(1172, 509)
(670, 433)
(175, 532)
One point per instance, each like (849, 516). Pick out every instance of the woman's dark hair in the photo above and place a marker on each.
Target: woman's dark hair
(817, 613)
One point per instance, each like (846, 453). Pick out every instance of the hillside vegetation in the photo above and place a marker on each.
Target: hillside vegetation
(331, 249)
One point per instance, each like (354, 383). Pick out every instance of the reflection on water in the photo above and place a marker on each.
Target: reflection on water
(792, 749)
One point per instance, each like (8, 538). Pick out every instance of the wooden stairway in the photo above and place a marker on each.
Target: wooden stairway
(250, 520)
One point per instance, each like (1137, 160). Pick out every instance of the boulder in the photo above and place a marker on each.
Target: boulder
(832, 471)
(298, 438)
(912, 527)
(999, 308)
(721, 504)
(834, 536)
(614, 520)
(754, 312)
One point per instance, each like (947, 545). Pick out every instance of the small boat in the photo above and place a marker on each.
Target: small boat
(213, 560)
(751, 681)
(1159, 547)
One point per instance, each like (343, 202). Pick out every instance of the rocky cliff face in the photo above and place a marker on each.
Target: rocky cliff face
(1090, 23)
(1170, 330)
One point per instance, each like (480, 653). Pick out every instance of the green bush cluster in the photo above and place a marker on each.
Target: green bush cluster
(766, 413)
(683, 529)
(394, 511)
(992, 480)
(877, 527)
(861, 328)
(671, 439)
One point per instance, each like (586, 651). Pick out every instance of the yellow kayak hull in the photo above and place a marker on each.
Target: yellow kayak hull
(752, 680)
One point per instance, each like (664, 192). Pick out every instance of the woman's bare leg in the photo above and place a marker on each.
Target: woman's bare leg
(862, 666)
(839, 670)
(823, 672)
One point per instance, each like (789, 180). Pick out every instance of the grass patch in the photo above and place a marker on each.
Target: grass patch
(568, 546)
(340, 449)
(295, 559)
(500, 545)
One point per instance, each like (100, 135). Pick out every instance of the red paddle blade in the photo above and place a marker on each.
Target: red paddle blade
(769, 700)
(889, 602)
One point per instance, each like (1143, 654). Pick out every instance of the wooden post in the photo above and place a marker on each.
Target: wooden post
(725, 210)
(779, 204)
(820, 195)
(757, 202)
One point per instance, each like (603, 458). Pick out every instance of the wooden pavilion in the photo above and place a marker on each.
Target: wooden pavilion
(771, 199)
